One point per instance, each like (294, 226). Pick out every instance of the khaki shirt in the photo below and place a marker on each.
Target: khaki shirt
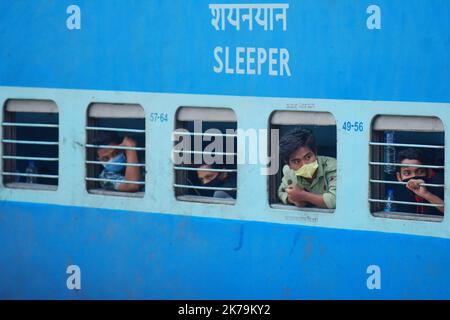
(324, 183)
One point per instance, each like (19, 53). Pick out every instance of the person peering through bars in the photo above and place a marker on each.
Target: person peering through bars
(216, 179)
(114, 169)
(413, 191)
(308, 179)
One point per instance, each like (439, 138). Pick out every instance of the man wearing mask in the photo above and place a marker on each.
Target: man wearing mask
(114, 169)
(413, 191)
(210, 176)
(308, 179)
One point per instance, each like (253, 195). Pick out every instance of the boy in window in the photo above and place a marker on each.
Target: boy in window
(413, 191)
(113, 170)
(308, 179)
(216, 179)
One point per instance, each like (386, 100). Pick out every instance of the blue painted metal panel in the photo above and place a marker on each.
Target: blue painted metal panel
(167, 46)
(149, 255)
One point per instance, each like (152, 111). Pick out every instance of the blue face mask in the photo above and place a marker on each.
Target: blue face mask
(112, 167)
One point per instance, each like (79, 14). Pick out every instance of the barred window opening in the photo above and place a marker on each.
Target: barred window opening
(30, 144)
(407, 168)
(292, 126)
(205, 155)
(115, 150)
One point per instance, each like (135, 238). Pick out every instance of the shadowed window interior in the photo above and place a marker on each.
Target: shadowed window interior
(323, 127)
(407, 168)
(205, 155)
(30, 144)
(115, 130)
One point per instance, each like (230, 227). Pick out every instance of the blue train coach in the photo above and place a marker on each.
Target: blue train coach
(174, 84)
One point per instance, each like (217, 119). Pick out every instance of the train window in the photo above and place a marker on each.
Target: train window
(407, 168)
(115, 150)
(307, 171)
(204, 155)
(30, 144)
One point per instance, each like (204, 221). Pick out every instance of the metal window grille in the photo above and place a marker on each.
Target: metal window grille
(206, 125)
(411, 128)
(124, 120)
(30, 144)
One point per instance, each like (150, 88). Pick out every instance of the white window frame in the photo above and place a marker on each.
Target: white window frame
(204, 114)
(296, 118)
(382, 123)
(113, 111)
(28, 106)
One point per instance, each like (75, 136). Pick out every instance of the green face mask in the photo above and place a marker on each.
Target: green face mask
(307, 170)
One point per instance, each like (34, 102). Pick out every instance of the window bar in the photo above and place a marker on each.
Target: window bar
(24, 124)
(207, 152)
(405, 183)
(203, 188)
(406, 145)
(408, 203)
(115, 129)
(30, 175)
(113, 147)
(117, 163)
(49, 143)
(112, 180)
(30, 158)
(406, 165)
(204, 134)
(204, 169)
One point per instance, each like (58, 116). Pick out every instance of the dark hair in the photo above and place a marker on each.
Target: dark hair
(222, 176)
(106, 138)
(213, 166)
(296, 139)
(411, 154)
